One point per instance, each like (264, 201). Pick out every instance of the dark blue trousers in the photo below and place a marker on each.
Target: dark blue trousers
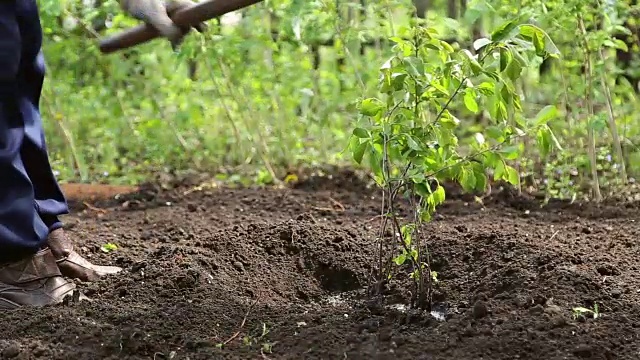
(30, 198)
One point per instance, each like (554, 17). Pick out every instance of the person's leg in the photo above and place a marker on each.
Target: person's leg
(22, 231)
(28, 274)
(49, 199)
(50, 202)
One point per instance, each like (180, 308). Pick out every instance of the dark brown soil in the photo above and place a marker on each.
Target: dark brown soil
(280, 274)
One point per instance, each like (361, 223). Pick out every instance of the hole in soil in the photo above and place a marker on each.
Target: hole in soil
(336, 279)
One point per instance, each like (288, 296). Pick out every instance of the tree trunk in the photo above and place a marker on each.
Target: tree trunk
(421, 8)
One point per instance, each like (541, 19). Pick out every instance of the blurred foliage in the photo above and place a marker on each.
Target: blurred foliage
(247, 97)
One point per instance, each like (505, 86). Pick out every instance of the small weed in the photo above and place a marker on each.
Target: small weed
(582, 312)
(265, 345)
(108, 247)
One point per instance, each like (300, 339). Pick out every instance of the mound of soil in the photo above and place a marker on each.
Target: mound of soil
(282, 274)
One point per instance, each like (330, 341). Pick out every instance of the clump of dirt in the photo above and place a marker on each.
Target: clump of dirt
(282, 274)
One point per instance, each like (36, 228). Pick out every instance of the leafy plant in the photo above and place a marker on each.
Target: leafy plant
(409, 133)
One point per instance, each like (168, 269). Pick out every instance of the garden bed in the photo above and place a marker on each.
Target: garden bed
(282, 274)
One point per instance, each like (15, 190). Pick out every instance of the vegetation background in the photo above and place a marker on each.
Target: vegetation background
(278, 87)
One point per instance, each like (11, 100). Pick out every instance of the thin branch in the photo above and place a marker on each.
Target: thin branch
(588, 92)
(612, 123)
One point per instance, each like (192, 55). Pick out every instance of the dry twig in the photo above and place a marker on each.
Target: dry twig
(242, 324)
(93, 208)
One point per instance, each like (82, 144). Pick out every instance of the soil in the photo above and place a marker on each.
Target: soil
(219, 273)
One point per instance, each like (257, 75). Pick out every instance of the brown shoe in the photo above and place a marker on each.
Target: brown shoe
(34, 281)
(73, 265)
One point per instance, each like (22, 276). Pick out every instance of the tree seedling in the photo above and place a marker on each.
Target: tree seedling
(411, 139)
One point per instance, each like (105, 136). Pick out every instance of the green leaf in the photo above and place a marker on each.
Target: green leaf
(513, 70)
(510, 152)
(397, 81)
(406, 231)
(358, 153)
(495, 133)
(544, 142)
(538, 43)
(481, 180)
(615, 44)
(388, 64)
(546, 114)
(371, 107)
(414, 66)
(527, 31)
(108, 247)
(425, 216)
(486, 88)
(517, 56)
(491, 160)
(505, 58)
(414, 254)
(505, 31)
(448, 121)
(467, 180)
(397, 40)
(400, 259)
(470, 100)
(621, 45)
(598, 123)
(417, 175)
(507, 94)
(531, 32)
(473, 63)
(499, 171)
(501, 110)
(447, 47)
(480, 43)
(433, 46)
(518, 106)
(361, 133)
(412, 143)
(440, 88)
(421, 189)
(512, 175)
(439, 195)
(493, 74)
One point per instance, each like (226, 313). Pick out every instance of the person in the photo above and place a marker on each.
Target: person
(37, 258)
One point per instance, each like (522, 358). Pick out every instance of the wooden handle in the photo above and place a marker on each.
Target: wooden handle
(190, 16)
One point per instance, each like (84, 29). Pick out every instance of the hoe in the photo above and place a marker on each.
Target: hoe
(195, 14)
